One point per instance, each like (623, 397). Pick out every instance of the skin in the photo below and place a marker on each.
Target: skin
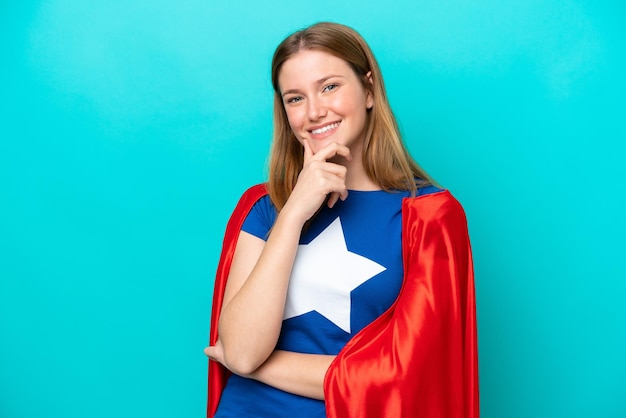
(326, 106)
(320, 90)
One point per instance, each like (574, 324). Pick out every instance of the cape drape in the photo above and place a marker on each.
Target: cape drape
(419, 358)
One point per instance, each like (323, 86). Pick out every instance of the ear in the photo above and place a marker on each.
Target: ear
(369, 100)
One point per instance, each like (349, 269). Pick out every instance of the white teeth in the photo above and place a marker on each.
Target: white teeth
(325, 128)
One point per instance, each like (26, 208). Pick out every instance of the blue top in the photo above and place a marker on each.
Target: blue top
(347, 272)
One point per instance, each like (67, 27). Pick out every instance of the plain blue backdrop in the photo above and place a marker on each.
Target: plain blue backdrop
(129, 129)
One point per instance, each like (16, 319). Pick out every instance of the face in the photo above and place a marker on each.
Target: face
(324, 100)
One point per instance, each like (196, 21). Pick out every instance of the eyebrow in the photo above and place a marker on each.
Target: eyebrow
(320, 81)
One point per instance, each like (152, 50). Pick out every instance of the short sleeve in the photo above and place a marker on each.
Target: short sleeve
(422, 191)
(260, 219)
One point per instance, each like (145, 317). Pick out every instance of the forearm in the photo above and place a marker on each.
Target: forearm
(255, 295)
(298, 373)
(250, 322)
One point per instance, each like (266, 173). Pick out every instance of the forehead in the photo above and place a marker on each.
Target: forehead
(310, 66)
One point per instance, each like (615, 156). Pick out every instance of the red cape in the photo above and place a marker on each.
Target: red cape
(419, 358)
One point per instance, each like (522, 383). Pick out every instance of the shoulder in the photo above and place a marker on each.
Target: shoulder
(426, 190)
(251, 196)
(246, 202)
(431, 204)
(434, 216)
(255, 192)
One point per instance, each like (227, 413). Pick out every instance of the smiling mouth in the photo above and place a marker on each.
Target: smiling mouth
(325, 128)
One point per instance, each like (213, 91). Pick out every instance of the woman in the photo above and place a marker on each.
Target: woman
(345, 287)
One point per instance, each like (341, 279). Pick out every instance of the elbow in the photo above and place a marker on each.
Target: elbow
(241, 367)
(243, 351)
(240, 363)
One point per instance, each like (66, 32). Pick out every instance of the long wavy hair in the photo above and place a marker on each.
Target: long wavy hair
(385, 157)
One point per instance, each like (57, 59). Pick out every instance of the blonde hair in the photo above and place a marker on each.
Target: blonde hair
(385, 157)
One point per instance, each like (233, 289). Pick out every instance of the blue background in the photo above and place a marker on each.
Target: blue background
(129, 129)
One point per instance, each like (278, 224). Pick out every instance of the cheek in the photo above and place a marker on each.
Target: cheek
(295, 119)
(354, 108)
(349, 104)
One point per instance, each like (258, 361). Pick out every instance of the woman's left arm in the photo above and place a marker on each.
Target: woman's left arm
(297, 373)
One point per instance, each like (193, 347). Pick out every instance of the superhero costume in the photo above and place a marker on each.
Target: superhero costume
(418, 359)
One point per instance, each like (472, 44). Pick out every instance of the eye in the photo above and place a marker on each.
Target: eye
(330, 87)
(294, 99)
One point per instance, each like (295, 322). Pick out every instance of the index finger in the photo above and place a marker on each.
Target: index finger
(333, 149)
(308, 152)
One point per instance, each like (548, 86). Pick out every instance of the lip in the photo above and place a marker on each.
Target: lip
(324, 134)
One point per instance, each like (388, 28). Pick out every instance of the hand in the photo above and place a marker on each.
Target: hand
(319, 180)
(216, 352)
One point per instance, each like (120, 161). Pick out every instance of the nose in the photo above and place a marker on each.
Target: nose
(316, 109)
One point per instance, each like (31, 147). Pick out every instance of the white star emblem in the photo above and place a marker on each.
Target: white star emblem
(323, 275)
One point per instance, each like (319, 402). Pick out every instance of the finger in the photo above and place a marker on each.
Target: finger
(334, 169)
(208, 351)
(335, 196)
(336, 189)
(334, 149)
(308, 152)
(343, 151)
(332, 199)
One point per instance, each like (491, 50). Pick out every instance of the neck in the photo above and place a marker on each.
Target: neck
(356, 177)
